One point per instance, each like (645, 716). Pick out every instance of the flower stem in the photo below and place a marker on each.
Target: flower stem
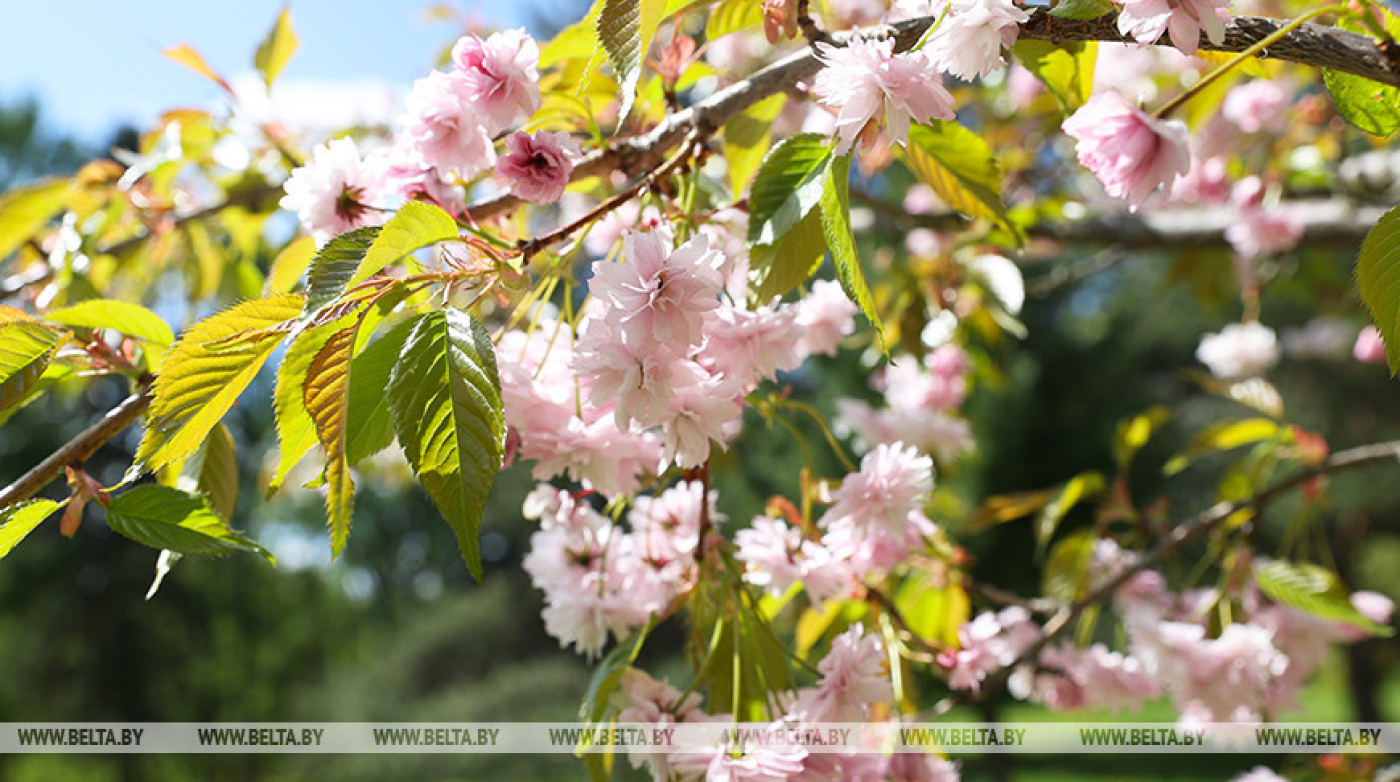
(1278, 35)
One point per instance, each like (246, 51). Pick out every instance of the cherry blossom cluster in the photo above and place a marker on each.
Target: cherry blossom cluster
(921, 398)
(445, 139)
(854, 684)
(1248, 672)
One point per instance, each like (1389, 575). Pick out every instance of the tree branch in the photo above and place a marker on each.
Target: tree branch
(1314, 45)
(1197, 527)
(77, 450)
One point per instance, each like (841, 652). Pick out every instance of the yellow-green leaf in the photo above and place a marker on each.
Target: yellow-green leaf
(836, 225)
(28, 208)
(371, 425)
(626, 29)
(187, 56)
(197, 384)
(166, 518)
(326, 394)
(747, 138)
(289, 265)
(1083, 486)
(1314, 590)
(277, 47)
(417, 224)
(731, 16)
(296, 431)
(130, 319)
(213, 471)
(20, 519)
(1222, 437)
(960, 168)
(1066, 69)
(24, 354)
(1378, 280)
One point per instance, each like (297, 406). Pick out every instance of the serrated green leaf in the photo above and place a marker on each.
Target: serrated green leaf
(277, 47)
(731, 16)
(960, 168)
(371, 424)
(1066, 69)
(775, 269)
(296, 431)
(26, 209)
(166, 518)
(130, 319)
(445, 398)
(289, 265)
(417, 224)
(1370, 106)
(836, 225)
(335, 265)
(1081, 10)
(52, 375)
(1222, 437)
(197, 384)
(25, 349)
(788, 186)
(1313, 590)
(326, 394)
(626, 29)
(212, 471)
(747, 138)
(20, 519)
(1378, 281)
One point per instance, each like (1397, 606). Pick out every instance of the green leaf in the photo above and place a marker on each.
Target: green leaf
(213, 471)
(197, 384)
(276, 48)
(445, 398)
(25, 348)
(933, 609)
(1222, 437)
(608, 673)
(166, 518)
(1081, 487)
(20, 519)
(130, 319)
(626, 29)
(1081, 10)
(417, 224)
(52, 375)
(26, 209)
(836, 225)
(296, 431)
(1066, 576)
(1369, 105)
(788, 186)
(327, 396)
(335, 265)
(777, 268)
(371, 426)
(960, 168)
(731, 16)
(1066, 69)
(1378, 280)
(748, 136)
(289, 265)
(1313, 590)
(1134, 433)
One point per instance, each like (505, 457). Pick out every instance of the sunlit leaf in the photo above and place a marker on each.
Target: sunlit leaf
(187, 56)
(166, 518)
(335, 265)
(26, 209)
(836, 226)
(417, 224)
(277, 48)
(289, 265)
(1369, 105)
(327, 396)
(960, 168)
(1222, 437)
(1066, 69)
(1081, 10)
(1313, 590)
(130, 319)
(25, 349)
(20, 519)
(371, 425)
(1378, 280)
(445, 398)
(212, 471)
(1083, 486)
(747, 138)
(731, 16)
(626, 29)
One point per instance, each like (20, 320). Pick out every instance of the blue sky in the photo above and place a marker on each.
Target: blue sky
(94, 64)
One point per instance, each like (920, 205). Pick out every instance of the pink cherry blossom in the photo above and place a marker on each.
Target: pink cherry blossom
(699, 415)
(967, 42)
(1259, 104)
(865, 79)
(640, 698)
(827, 315)
(1369, 347)
(501, 76)
(443, 131)
(1069, 677)
(986, 644)
(538, 167)
(1240, 350)
(937, 434)
(1129, 151)
(668, 526)
(747, 346)
(660, 296)
(855, 676)
(1183, 20)
(639, 381)
(335, 191)
(1261, 229)
(754, 763)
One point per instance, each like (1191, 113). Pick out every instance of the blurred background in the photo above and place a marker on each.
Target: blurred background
(396, 630)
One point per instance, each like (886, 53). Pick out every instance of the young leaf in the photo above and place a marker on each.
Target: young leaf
(212, 471)
(29, 207)
(130, 319)
(335, 264)
(276, 48)
(166, 518)
(1066, 575)
(1223, 437)
(197, 384)
(731, 16)
(327, 395)
(747, 137)
(189, 57)
(1378, 279)
(20, 519)
(24, 354)
(626, 29)
(296, 431)
(777, 268)
(445, 398)
(1313, 590)
(1369, 105)
(1082, 486)
(788, 186)
(417, 224)
(289, 265)
(836, 225)
(960, 167)
(371, 425)
(1067, 69)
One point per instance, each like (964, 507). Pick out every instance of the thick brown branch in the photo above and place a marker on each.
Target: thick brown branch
(1192, 530)
(77, 450)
